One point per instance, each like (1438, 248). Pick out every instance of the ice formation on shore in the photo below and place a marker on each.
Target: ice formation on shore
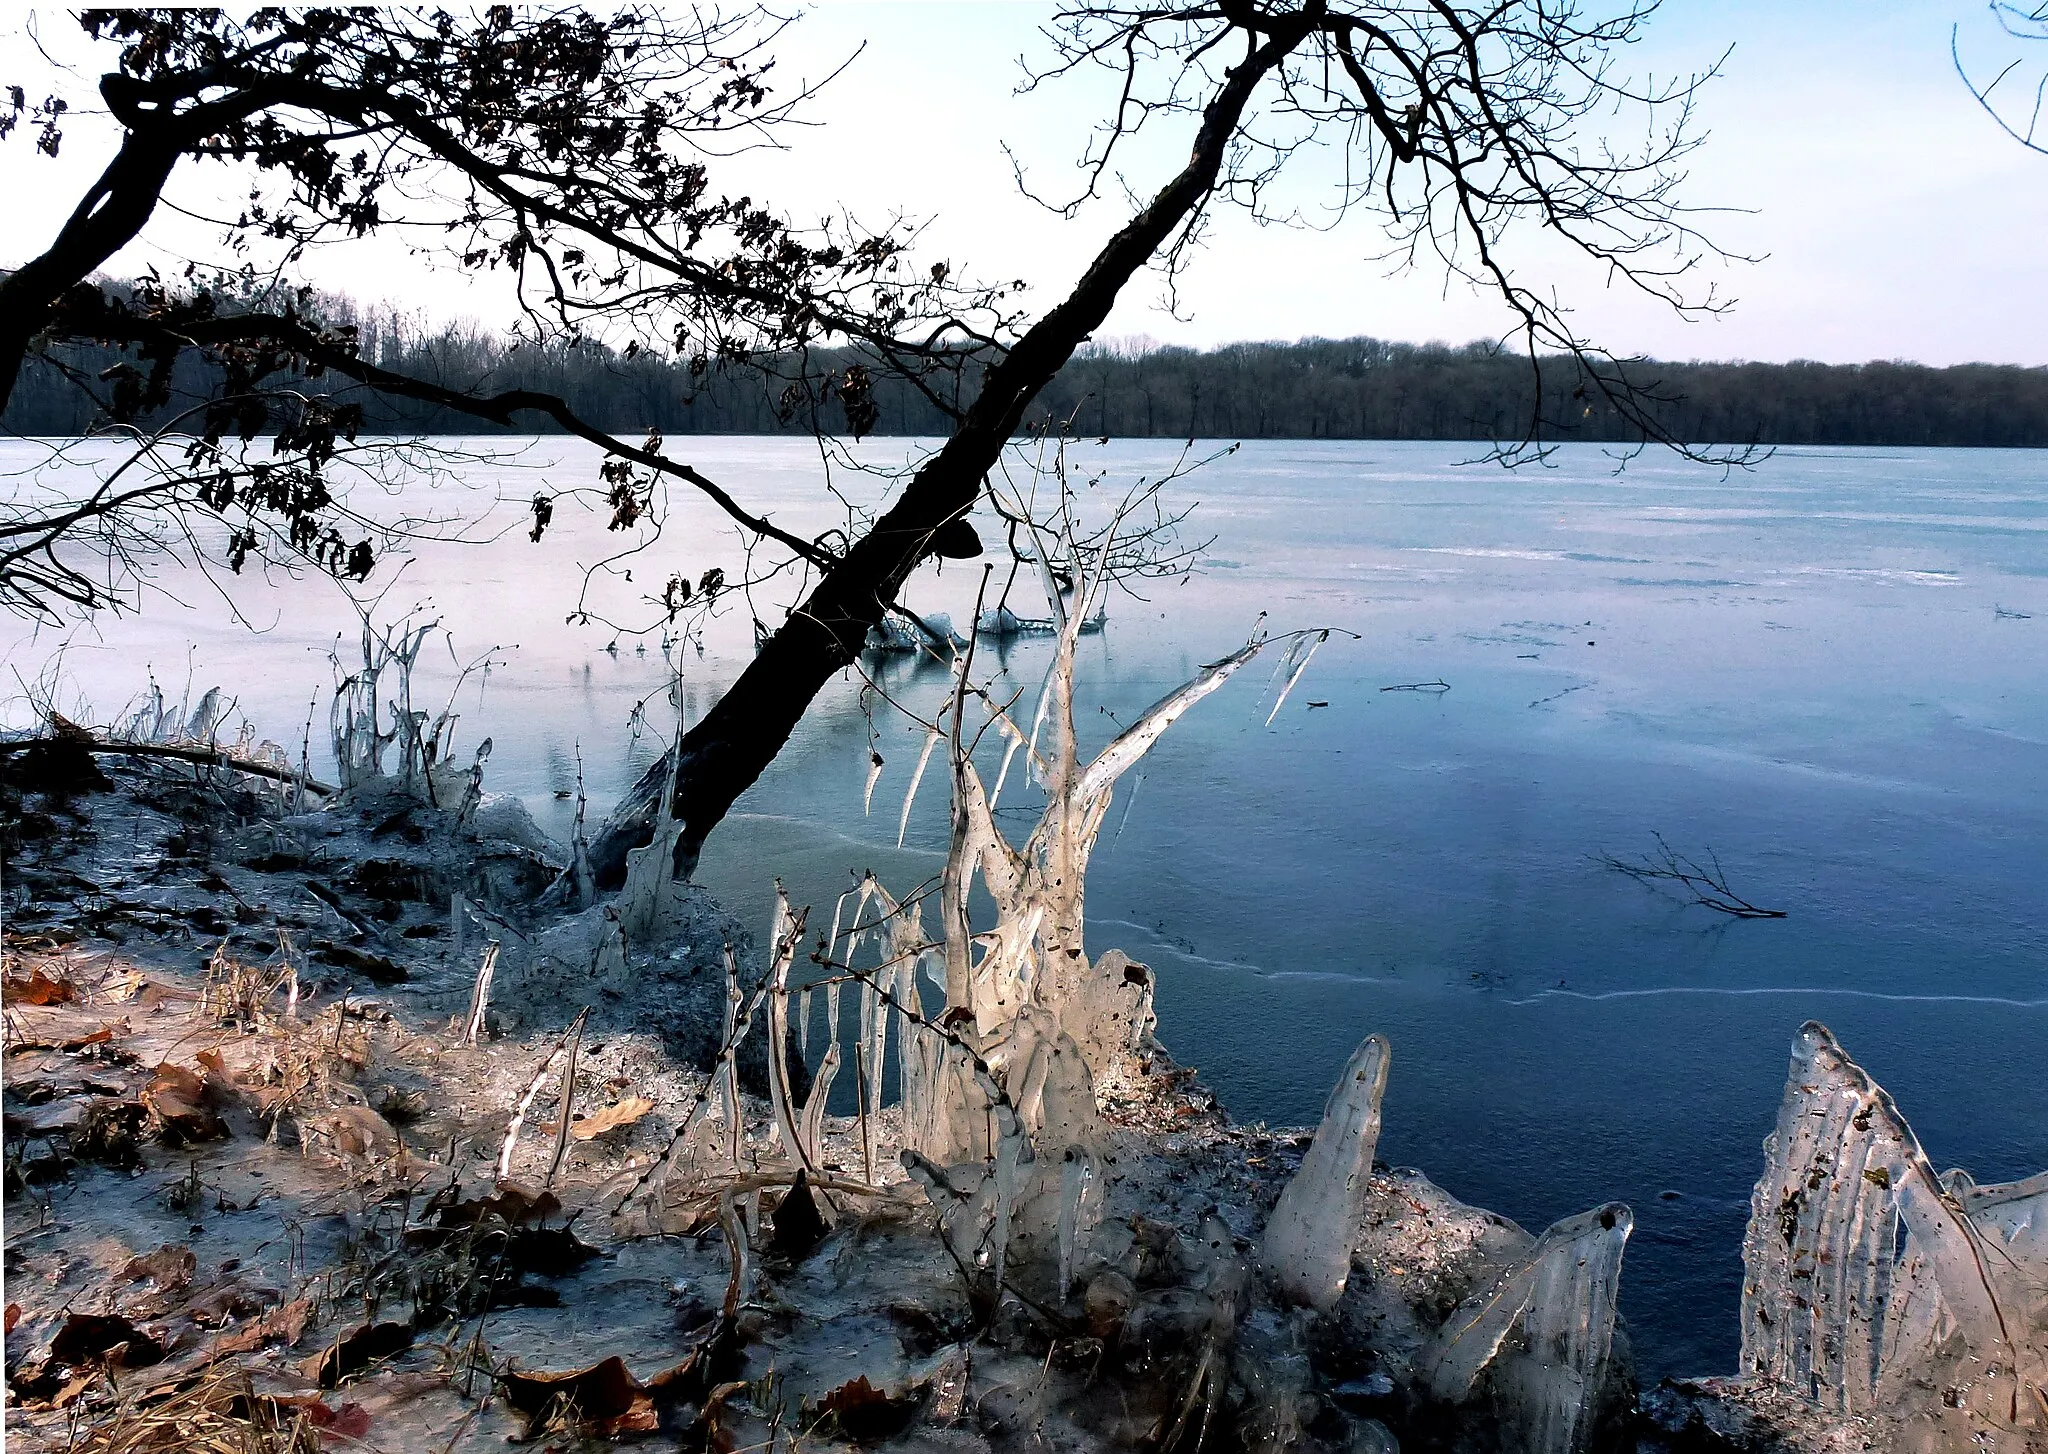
(1874, 1287)
(1559, 1297)
(1311, 1234)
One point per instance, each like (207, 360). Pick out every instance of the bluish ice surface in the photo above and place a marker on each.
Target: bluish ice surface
(1827, 671)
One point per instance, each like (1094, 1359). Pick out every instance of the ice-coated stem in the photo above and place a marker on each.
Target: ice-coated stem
(1307, 1248)
(480, 996)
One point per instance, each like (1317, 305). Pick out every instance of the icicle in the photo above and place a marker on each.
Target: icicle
(964, 1197)
(917, 776)
(739, 1287)
(1077, 1176)
(867, 797)
(581, 876)
(1561, 1293)
(875, 1020)
(1136, 740)
(1297, 661)
(480, 995)
(1012, 1166)
(1310, 1236)
(458, 921)
(200, 725)
(803, 1022)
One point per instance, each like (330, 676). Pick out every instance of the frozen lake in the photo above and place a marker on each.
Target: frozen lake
(1828, 671)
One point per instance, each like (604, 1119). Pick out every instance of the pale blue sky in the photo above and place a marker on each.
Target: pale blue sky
(1892, 218)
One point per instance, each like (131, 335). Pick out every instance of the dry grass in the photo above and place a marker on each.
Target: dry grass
(218, 1413)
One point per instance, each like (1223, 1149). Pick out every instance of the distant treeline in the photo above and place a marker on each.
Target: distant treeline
(1359, 388)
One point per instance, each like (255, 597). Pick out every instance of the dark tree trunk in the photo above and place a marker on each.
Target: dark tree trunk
(729, 748)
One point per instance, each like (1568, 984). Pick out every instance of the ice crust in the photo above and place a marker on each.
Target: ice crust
(1872, 1286)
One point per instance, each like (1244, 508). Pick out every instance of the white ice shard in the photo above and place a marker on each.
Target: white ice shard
(1306, 1252)
(1947, 1332)
(1541, 1335)
(1079, 1210)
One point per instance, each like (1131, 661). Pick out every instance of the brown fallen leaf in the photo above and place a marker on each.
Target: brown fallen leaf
(39, 988)
(216, 1306)
(104, 1338)
(355, 1350)
(865, 1413)
(621, 1113)
(170, 1267)
(602, 1401)
(513, 1204)
(350, 1133)
(176, 1100)
(281, 1325)
(13, 1317)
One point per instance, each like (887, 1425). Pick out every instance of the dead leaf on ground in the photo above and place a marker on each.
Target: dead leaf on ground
(283, 1325)
(864, 1412)
(170, 1267)
(39, 988)
(602, 1401)
(621, 1113)
(217, 1306)
(350, 1133)
(176, 1099)
(356, 1350)
(512, 1203)
(104, 1339)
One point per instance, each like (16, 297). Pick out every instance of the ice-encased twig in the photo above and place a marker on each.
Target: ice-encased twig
(2010, 1220)
(1843, 1172)
(568, 1100)
(783, 940)
(480, 996)
(1309, 1239)
(1561, 1293)
(813, 1127)
(533, 1086)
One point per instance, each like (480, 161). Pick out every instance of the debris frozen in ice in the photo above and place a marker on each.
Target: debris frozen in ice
(1310, 1236)
(1943, 1334)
